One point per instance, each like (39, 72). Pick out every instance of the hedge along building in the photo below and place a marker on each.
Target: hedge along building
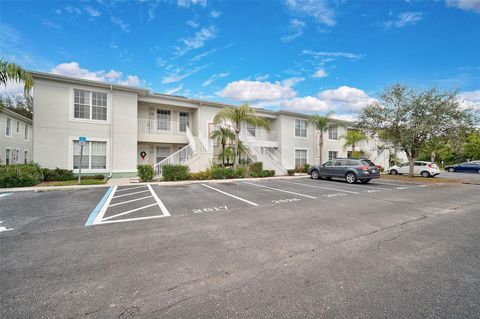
(15, 138)
(126, 126)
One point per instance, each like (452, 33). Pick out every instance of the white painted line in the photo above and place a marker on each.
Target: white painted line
(329, 188)
(3, 228)
(5, 194)
(123, 195)
(231, 195)
(132, 219)
(159, 202)
(356, 185)
(129, 188)
(129, 201)
(105, 206)
(280, 190)
(128, 212)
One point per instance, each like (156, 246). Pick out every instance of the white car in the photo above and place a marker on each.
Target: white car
(424, 169)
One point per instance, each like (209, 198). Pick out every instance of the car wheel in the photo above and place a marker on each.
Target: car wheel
(479, 171)
(451, 170)
(425, 174)
(351, 178)
(314, 174)
(393, 172)
(365, 181)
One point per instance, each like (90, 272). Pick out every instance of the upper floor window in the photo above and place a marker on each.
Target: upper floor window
(300, 128)
(8, 127)
(251, 129)
(184, 121)
(18, 127)
(163, 120)
(333, 133)
(26, 132)
(90, 105)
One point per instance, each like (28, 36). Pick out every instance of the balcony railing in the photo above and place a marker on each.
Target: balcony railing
(158, 126)
(259, 135)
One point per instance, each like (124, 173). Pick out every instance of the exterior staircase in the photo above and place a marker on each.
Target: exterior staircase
(269, 156)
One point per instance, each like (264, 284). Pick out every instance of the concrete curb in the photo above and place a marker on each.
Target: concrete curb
(111, 183)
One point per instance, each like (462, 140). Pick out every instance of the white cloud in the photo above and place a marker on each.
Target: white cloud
(73, 10)
(320, 73)
(256, 90)
(73, 69)
(468, 5)
(50, 24)
(198, 40)
(92, 11)
(404, 19)
(193, 23)
(346, 98)
(323, 54)
(179, 74)
(470, 99)
(306, 104)
(214, 78)
(215, 14)
(319, 9)
(296, 30)
(174, 90)
(125, 27)
(188, 3)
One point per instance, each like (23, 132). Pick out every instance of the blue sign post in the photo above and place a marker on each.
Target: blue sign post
(82, 140)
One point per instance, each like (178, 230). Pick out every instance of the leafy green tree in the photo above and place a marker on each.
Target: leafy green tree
(471, 147)
(15, 73)
(226, 155)
(223, 136)
(409, 119)
(238, 115)
(352, 138)
(322, 124)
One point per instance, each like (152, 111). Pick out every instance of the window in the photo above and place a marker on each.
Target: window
(329, 163)
(300, 157)
(332, 155)
(8, 128)
(333, 133)
(163, 120)
(184, 121)
(251, 129)
(162, 153)
(7, 156)
(16, 156)
(94, 155)
(25, 157)
(18, 127)
(26, 132)
(90, 105)
(341, 163)
(300, 128)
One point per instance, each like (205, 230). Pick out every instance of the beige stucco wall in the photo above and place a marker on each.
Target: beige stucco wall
(16, 141)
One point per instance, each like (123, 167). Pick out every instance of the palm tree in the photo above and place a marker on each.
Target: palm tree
(226, 154)
(222, 135)
(322, 123)
(237, 115)
(13, 72)
(352, 138)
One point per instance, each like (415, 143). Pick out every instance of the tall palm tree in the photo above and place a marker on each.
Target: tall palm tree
(322, 124)
(352, 138)
(222, 135)
(237, 115)
(13, 72)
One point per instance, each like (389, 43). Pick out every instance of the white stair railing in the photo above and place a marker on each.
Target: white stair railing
(206, 143)
(191, 139)
(176, 158)
(257, 153)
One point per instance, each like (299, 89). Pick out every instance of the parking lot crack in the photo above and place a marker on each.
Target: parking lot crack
(171, 305)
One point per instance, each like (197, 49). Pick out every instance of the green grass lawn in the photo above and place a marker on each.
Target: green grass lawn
(75, 182)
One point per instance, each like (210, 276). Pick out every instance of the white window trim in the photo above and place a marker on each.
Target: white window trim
(27, 129)
(89, 139)
(17, 127)
(6, 125)
(9, 155)
(25, 157)
(189, 120)
(295, 155)
(71, 114)
(306, 129)
(328, 135)
(328, 155)
(172, 122)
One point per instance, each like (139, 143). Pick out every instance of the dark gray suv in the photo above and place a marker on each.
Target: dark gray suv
(350, 169)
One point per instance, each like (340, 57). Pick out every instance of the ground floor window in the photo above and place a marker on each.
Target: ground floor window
(25, 159)
(300, 157)
(332, 155)
(162, 153)
(7, 156)
(94, 155)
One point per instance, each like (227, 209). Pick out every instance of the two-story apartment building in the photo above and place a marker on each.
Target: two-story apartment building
(15, 138)
(126, 126)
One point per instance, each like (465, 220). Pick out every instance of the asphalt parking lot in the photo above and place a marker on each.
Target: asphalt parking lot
(295, 248)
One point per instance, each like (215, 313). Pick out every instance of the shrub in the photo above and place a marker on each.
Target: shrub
(300, 169)
(291, 172)
(97, 176)
(306, 167)
(223, 172)
(256, 167)
(146, 172)
(175, 172)
(20, 175)
(57, 174)
(200, 175)
(264, 173)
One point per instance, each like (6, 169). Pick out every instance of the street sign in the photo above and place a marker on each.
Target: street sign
(82, 140)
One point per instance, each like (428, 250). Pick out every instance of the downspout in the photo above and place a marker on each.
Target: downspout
(111, 135)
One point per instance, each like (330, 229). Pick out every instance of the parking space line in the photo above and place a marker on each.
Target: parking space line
(159, 202)
(128, 212)
(280, 190)
(123, 195)
(106, 201)
(231, 195)
(132, 219)
(129, 188)
(397, 185)
(318, 186)
(129, 201)
(5, 194)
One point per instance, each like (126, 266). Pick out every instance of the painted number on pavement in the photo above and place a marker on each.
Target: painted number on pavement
(209, 209)
(334, 195)
(287, 200)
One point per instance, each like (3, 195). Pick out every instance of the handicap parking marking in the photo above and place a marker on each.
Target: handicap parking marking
(231, 195)
(280, 190)
(98, 217)
(3, 228)
(322, 187)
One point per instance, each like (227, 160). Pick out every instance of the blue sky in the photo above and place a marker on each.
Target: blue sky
(311, 56)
